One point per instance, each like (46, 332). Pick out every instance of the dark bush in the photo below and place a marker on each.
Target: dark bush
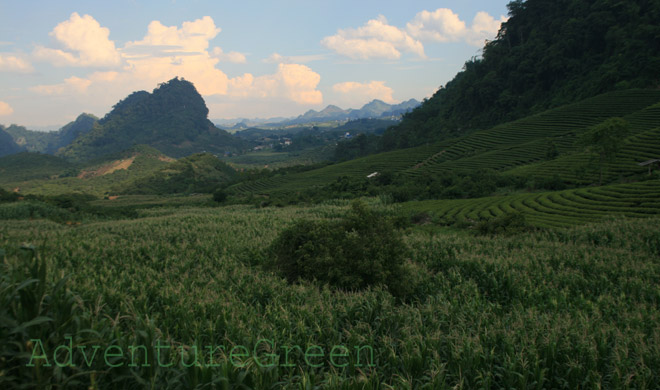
(219, 195)
(511, 222)
(364, 249)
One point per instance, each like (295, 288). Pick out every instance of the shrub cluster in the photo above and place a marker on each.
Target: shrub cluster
(364, 249)
(511, 222)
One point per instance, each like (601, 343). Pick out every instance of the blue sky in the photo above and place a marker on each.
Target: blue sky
(247, 58)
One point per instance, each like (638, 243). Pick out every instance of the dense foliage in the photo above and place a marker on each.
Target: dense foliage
(362, 250)
(172, 119)
(548, 53)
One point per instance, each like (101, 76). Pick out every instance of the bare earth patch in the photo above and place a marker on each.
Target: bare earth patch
(108, 168)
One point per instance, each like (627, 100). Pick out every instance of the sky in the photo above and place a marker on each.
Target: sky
(246, 58)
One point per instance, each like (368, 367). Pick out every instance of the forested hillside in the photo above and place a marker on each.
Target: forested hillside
(172, 119)
(7, 144)
(548, 53)
(51, 141)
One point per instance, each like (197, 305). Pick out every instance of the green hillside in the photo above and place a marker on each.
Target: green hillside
(44, 174)
(552, 209)
(7, 144)
(518, 148)
(358, 168)
(526, 141)
(197, 173)
(32, 166)
(172, 119)
(548, 53)
(51, 141)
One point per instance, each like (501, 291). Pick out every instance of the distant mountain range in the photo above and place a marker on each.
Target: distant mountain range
(172, 119)
(376, 109)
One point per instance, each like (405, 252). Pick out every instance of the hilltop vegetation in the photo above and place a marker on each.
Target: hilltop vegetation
(548, 53)
(172, 119)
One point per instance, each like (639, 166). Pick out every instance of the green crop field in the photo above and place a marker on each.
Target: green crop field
(566, 308)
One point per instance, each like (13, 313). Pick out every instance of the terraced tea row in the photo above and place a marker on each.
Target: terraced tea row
(526, 141)
(553, 209)
(580, 167)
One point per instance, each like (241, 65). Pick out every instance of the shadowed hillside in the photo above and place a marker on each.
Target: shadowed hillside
(172, 119)
(547, 54)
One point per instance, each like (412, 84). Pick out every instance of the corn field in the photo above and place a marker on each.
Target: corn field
(556, 308)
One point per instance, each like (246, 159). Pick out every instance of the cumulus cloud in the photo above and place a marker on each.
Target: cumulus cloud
(5, 109)
(72, 84)
(443, 25)
(295, 82)
(376, 39)
(170, 51)
(14, 63)
(166, 52)
(233, 56)
(360, 93)
(84, 41)
(191, 38)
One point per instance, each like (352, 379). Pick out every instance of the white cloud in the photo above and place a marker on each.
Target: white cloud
(233, 56)
(295, 82)
(170, 51)
(85, 43)
(166, 52)
(376, 39)
(360, 93)
(71, 85)
(14, 63)
(5, 109)
(484, 27)
(192, 38)
(443, 25)
(277, 58)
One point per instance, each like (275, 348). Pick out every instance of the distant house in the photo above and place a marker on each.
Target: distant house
(287, 142)
(260, 147)
(348, 135)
